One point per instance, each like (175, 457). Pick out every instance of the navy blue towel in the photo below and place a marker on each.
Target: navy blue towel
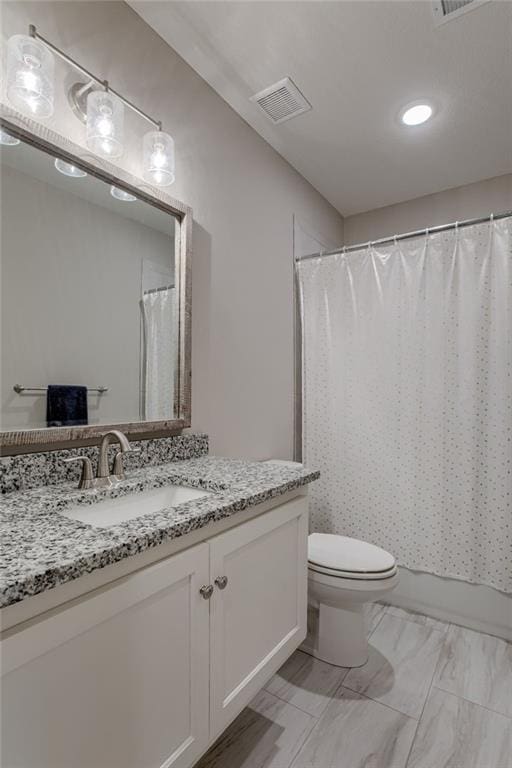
(66, 405)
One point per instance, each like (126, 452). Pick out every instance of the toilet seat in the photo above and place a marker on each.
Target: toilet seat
(346, 558)
(352, 575)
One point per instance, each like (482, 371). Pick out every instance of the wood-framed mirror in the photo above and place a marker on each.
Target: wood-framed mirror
(96, 297)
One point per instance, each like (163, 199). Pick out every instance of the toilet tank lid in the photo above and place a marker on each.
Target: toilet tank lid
(342, 553)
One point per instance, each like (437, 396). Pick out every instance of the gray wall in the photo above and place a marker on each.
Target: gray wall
(71, 285)
(244, 196)
(473, 200)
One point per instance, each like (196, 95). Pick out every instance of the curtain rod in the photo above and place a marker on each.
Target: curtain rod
(405, 236)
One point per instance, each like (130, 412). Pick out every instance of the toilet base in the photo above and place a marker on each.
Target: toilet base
(336, 619)
(341, 636)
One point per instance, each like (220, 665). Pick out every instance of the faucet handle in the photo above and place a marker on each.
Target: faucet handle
(118, 469)
(86, 476)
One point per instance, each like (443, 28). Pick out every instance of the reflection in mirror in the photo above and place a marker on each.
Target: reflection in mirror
(89, 298)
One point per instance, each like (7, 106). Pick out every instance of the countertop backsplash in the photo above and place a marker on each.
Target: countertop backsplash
(27, 471)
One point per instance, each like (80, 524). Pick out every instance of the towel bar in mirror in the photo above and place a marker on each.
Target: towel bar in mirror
(18, 388)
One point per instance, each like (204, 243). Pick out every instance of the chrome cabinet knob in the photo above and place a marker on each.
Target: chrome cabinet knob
(221, 582)
(206, 591)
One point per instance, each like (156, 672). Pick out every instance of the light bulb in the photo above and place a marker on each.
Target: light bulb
(7, 140)
(30, 81)
(104, 123)
(30, 71)
(68, 169)
(105, 117)
(158, 158)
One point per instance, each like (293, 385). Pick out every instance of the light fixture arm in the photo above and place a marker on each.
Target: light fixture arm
(32, 31)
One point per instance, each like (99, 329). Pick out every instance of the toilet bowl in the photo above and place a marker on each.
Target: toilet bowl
(343, 575)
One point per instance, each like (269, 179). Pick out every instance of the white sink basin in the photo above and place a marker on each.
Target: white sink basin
(114, 511)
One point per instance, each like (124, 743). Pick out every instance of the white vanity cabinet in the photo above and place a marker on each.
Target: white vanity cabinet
(119, 680)
(259, 618)
(145, 672)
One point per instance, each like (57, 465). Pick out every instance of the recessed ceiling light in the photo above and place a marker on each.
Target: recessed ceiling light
(68, 169)
(121, 194)
(7, 140)
(417, 114)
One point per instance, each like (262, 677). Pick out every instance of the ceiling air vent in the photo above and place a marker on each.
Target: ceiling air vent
(281, 101)
(445, 10)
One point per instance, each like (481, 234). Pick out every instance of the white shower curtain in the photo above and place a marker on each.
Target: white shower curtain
(159, 354)
(407, 401)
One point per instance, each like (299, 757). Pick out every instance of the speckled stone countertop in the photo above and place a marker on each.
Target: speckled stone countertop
(41, 548)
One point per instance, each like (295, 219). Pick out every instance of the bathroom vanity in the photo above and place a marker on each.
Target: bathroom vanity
(134, 645)
(139, 615)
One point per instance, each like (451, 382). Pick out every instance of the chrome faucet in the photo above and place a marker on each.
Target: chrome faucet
(103, 469)
(104, 478)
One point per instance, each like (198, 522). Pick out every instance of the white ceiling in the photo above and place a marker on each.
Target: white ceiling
(358, 63)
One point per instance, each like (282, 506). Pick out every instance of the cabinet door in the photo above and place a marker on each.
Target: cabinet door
(118, 680)
(259, 618)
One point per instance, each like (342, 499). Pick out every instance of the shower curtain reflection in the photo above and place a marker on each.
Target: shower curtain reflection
(158, 354)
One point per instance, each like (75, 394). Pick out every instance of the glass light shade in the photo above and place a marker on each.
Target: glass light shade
(158, 158)
(7, 140)
(121, 194)
(105, 118)
(68, 169)
(30, 76)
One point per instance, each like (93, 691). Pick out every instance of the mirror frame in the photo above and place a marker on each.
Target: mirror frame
(53, 438)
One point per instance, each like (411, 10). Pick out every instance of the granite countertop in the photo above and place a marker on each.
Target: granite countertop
(41, 548)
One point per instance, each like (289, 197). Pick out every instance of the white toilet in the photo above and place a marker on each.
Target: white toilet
(343, 575)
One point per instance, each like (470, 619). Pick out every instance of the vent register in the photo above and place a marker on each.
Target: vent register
(445, 10)
(281, 101)
(449, 6)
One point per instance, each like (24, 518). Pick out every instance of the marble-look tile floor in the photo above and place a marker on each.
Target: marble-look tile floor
(432, 695)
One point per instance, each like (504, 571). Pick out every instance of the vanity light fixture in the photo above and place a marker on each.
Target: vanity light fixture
(93, 101)
(7, 140)
(121, 194)
(158, 158)
(68, 169)
(30, 68)
(105, 118)
(416, 114)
